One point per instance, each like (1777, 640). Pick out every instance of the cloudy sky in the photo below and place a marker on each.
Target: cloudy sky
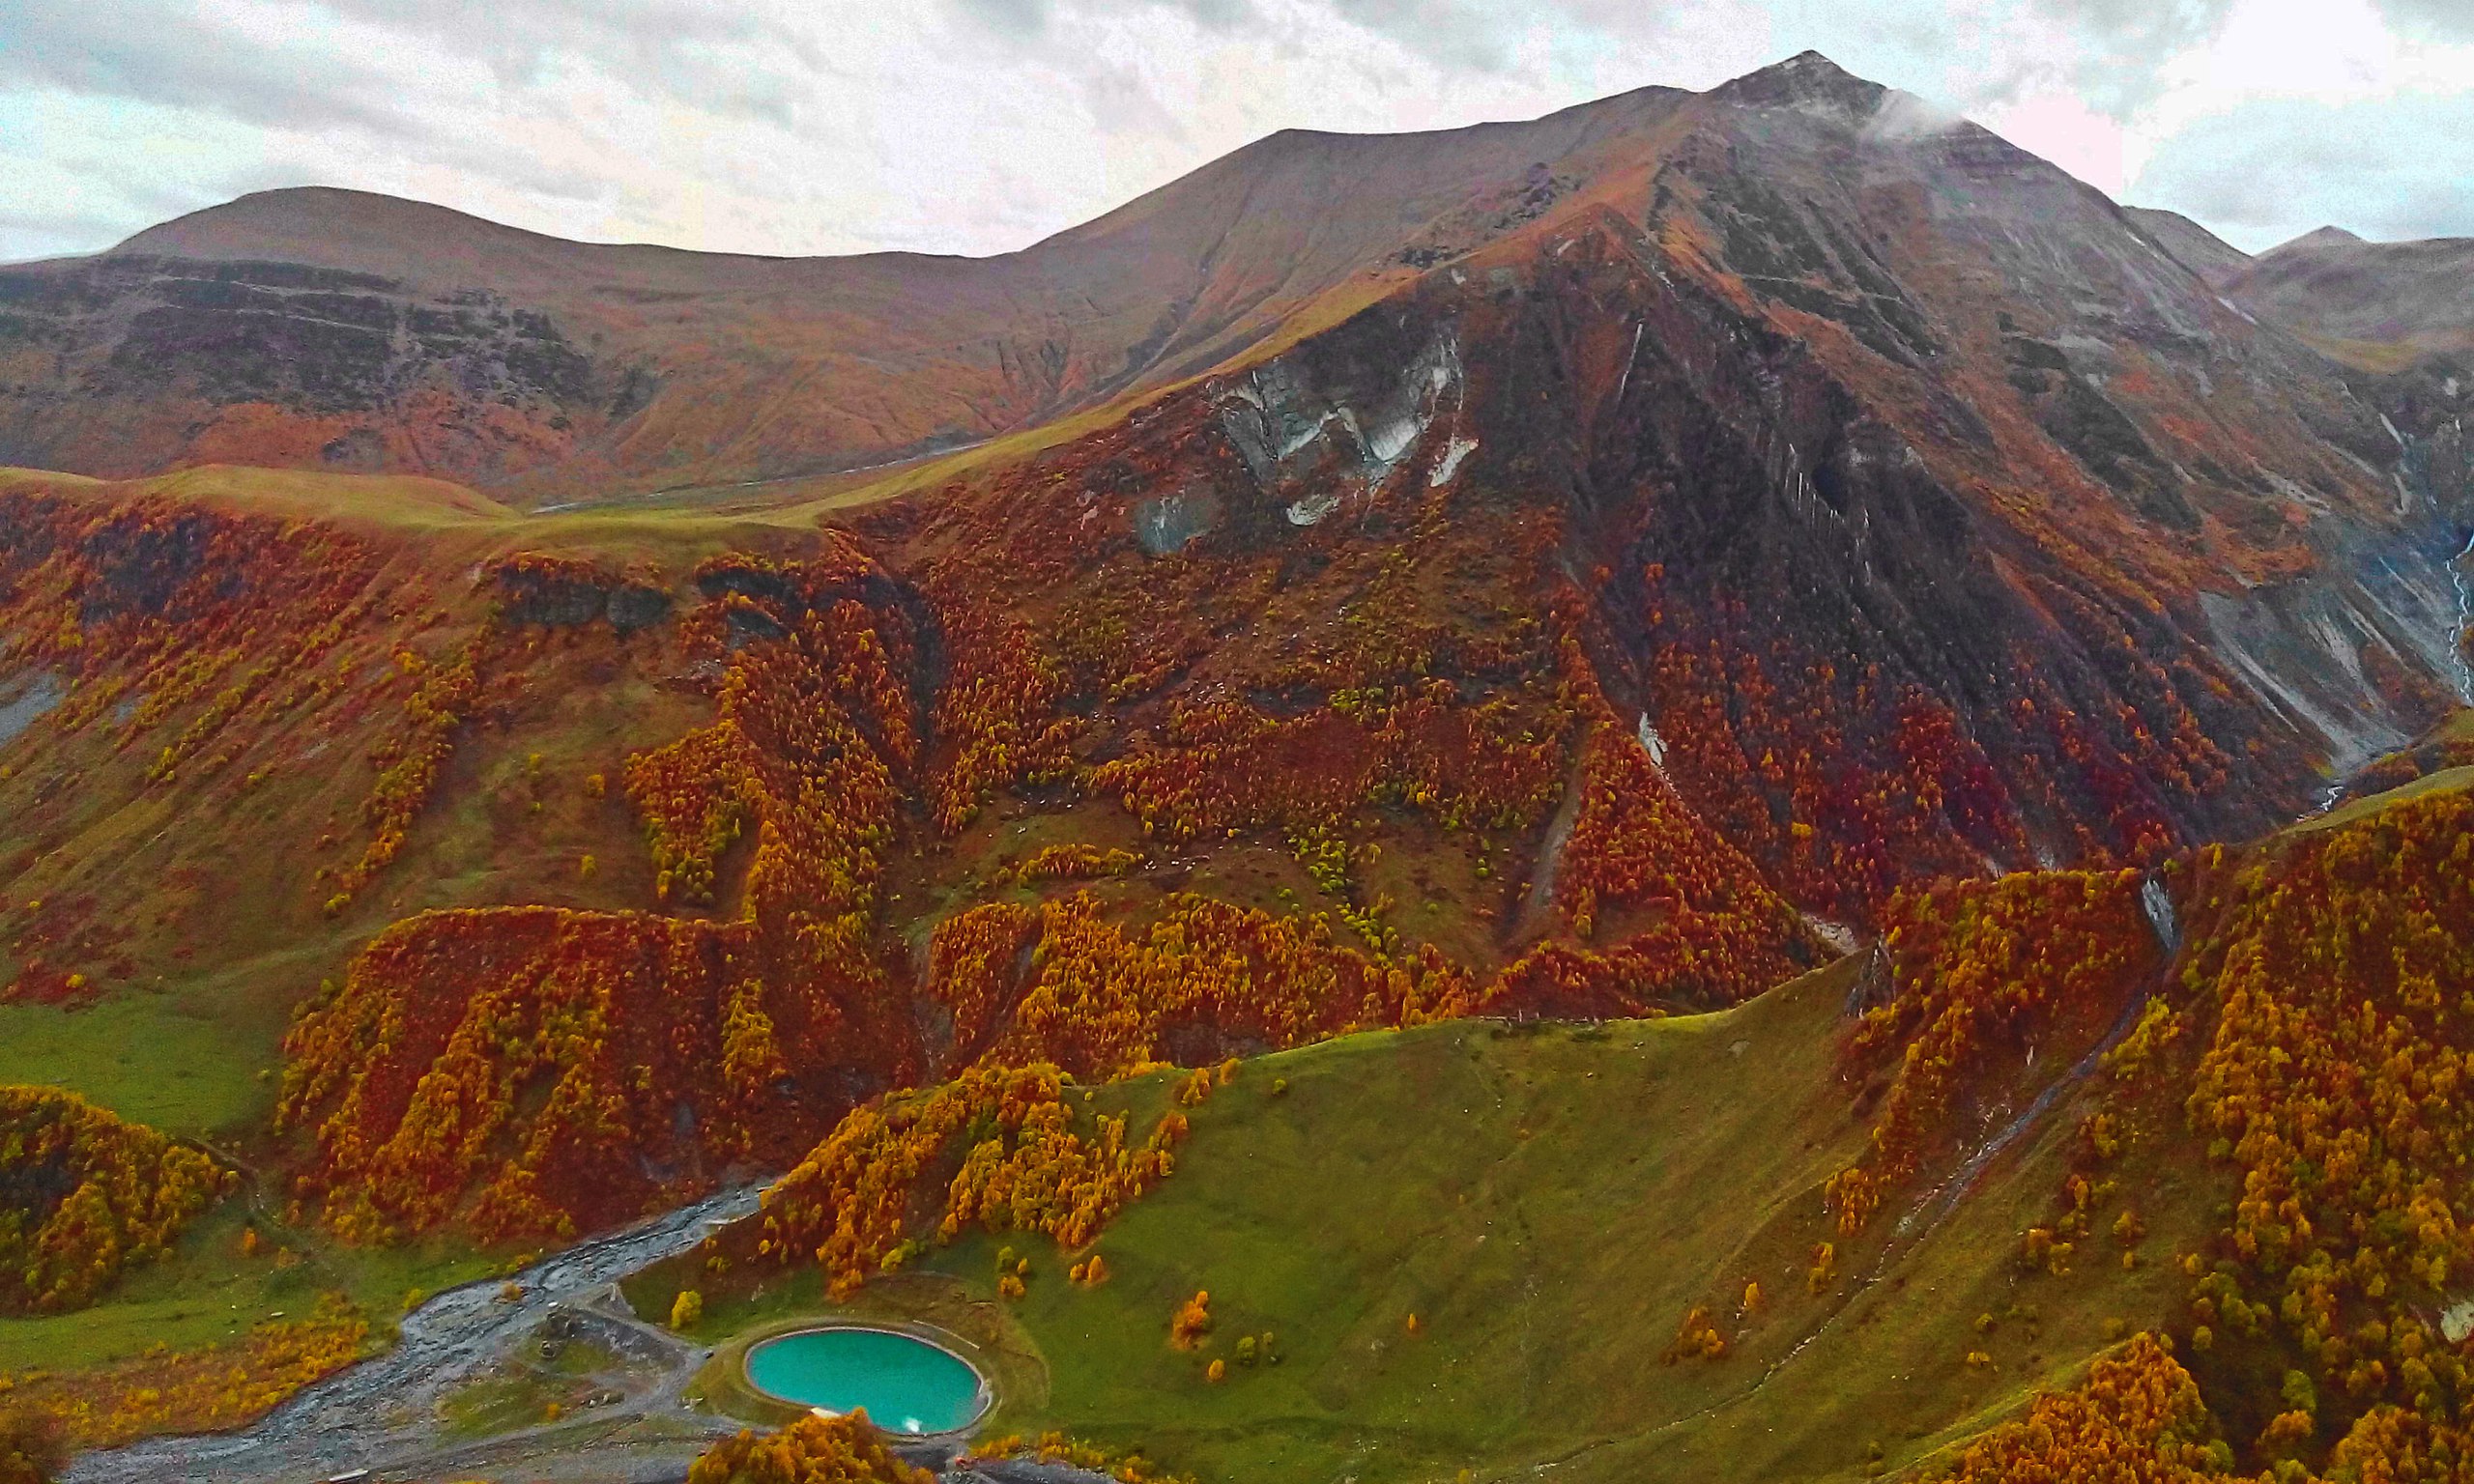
(980, 125)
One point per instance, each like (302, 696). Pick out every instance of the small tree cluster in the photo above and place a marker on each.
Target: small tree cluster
(2136, 1419)
(812, 1450)
(83, 1194)
(1004, 1146)
(1098, 999)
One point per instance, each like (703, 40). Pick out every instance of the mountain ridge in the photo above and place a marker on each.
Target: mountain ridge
(2379, 307)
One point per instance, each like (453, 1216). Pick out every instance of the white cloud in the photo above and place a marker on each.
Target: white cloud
(2301, 113)
(2060, 125)
(978, 126)
(2262, 172)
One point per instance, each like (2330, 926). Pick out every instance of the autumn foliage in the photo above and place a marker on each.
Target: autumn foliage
(408, 759)
(1076, 863)
(1635, 842)
(513, 1065)
(1848, 774)
(1686, 918)
(1980, 971)
(2136, 1419)
(202, 1390)
(84, 1194)
(32, 1449)
(2336, 973)
(1033, 989)
(154, 604)
(1063, 983)
(1697, 1339)
(1192, 1321)
(995, 717)
(812, 1450)
(1004, 1147)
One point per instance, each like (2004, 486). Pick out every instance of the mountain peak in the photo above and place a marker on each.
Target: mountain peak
(2323, 237)
(1802, 80)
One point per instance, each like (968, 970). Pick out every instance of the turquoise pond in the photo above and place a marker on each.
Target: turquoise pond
(905, 1384)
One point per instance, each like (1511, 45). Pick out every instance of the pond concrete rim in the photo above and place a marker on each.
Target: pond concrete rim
(931, 1335)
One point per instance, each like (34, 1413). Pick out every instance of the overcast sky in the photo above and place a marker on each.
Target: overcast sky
(980, 125)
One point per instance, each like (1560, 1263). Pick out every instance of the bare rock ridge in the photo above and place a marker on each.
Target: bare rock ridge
(2201, 251)
(1805, 80)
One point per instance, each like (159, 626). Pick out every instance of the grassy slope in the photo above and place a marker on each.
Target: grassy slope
(1549, 1201)
(207, 1293)
(112, 1053)
(1618, 1175)
(2445, 780)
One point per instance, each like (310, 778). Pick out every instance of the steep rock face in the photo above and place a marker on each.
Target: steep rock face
(2201, 251)
(2399, 320)
(2209, 457)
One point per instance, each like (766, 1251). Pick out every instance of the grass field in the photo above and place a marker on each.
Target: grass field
(2446, 779)
(154, 1058)
(207, 1293)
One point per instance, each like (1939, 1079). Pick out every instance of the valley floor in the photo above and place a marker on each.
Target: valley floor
(1468, 1247)
(1534, 1194)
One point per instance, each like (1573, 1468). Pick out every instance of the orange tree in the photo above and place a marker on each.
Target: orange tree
(812, 1450)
